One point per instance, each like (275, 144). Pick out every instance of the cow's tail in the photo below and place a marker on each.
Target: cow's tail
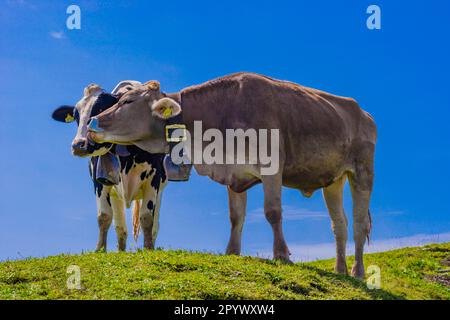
(136, 226)
(370, 227)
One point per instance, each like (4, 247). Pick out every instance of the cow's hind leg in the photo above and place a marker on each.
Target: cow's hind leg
(237, 205)
(120, 223)
(104, 217)
(272, 210)
(147, 215)
(333, 195)
(361, 181)
(155, 226)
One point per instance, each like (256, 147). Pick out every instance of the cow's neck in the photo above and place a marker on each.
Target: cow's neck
(192, 108)
(189, 110)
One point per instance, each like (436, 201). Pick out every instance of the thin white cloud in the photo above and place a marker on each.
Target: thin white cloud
(289, 213)
(388, 212)
(311, 252)
(57, 35)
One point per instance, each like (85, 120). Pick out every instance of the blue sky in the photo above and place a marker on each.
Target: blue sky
(399, 74)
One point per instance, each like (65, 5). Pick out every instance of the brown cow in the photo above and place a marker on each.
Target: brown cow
(323, 139)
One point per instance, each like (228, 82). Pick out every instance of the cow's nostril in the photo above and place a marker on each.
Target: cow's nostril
(80, 144)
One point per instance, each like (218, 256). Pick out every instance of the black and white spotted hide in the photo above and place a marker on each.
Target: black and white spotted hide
(141, 176)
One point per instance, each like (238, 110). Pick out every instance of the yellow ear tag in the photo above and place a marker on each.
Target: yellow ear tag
(69, 118)
(167, 112)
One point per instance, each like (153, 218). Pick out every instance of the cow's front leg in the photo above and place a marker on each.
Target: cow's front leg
(120, 224)
(104, 217)
(237, 205)
(272, 211)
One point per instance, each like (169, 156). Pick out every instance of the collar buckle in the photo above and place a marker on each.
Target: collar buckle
(171, 128)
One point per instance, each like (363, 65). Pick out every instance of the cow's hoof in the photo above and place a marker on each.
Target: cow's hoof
(341, 268)
(284, 260)
(358, 271)
(149, 246)
(101, 249)
(232, 250)
(232, 253)
(122, 242)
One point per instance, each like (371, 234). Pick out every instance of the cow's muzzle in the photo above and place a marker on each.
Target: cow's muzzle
(79, 147)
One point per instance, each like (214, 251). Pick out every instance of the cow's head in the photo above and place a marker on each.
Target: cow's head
(138, 118)
(94, 101)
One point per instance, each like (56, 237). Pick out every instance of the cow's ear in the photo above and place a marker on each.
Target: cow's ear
(125, 86)
(165, 108)
(64, 114)
(152, 85)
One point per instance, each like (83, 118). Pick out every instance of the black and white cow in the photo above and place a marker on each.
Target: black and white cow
(131, 173)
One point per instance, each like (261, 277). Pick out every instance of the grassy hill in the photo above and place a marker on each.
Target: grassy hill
(410, 273)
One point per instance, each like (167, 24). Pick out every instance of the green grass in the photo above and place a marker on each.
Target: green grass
(409, 273)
